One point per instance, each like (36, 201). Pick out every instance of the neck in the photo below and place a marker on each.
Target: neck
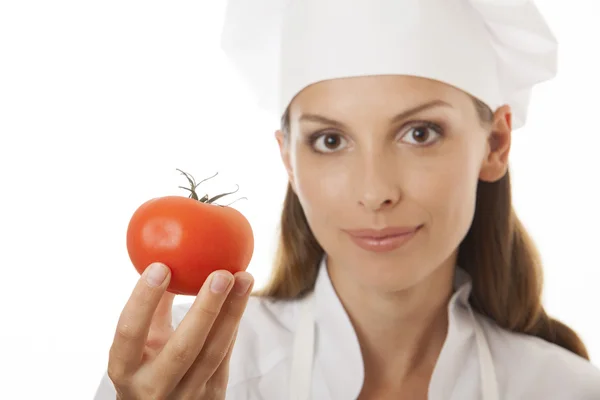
(401, 333)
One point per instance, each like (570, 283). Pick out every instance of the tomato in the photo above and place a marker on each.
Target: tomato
(192, 236)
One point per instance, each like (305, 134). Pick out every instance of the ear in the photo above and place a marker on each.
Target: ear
(495, 164)
(284, 150)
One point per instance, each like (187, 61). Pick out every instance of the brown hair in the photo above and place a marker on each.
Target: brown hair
(497, 253)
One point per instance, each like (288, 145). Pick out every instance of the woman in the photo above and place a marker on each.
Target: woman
(402, 271)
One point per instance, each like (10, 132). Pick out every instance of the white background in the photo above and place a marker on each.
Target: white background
(100, 102)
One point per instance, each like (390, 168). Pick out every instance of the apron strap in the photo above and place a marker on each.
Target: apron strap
(303, 352)
(489, 384)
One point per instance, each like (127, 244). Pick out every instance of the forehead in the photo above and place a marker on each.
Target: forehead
(380, 92)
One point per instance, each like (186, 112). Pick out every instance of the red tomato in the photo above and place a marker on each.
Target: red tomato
(192, 236)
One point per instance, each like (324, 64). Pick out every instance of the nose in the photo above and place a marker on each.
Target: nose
(379, 185)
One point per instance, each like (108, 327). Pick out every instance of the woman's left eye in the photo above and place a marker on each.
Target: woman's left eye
(423, 134)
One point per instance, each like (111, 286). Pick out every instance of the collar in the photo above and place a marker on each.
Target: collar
(337, 347)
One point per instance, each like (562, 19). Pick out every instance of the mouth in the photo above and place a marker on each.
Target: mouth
(383, 240)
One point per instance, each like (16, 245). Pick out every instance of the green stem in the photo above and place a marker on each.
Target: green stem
(205, 198)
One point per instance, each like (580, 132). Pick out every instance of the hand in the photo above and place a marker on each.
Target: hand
(150, 360)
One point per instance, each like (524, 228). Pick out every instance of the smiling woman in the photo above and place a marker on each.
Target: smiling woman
(507, 279)
(402, 265)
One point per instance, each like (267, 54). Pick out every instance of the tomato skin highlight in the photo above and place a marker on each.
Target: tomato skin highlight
(190, 237)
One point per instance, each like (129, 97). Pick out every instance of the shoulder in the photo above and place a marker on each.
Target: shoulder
(530, 367)
(264, 339)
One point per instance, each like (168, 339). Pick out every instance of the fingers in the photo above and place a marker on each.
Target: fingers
(224, 366)
(216, 352)
(185, 343)
(217, 384)
(161, 326)
(164, 309)
(221, 376)
(163, 315)
(134, 323)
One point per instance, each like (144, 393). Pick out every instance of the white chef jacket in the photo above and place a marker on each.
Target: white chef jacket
(308, 349)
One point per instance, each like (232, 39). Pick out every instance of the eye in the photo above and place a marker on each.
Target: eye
(425, 134)
(326, 142)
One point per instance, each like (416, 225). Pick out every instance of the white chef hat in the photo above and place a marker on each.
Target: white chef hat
(495, 50)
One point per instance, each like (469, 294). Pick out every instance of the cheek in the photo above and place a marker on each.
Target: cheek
(447, 193)
(319, 184)
(323, 186)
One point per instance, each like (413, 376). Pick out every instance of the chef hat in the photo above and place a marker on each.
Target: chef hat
(495, 50)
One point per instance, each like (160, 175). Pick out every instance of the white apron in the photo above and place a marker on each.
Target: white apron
(303, 354)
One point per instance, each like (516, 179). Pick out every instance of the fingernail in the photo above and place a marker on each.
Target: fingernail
(219, 283)
(156, 274)
(241, 285)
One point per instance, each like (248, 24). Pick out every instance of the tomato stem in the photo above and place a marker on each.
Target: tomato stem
(227, 205)
(205, 198)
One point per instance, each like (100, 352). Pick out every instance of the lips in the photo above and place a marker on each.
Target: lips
(382, 233)
(383, 240)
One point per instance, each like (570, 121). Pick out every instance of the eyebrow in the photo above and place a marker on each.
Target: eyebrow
(399, 117)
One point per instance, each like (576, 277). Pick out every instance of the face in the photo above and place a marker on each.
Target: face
(390, 152)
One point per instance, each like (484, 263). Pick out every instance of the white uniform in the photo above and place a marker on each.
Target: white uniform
(278, 355)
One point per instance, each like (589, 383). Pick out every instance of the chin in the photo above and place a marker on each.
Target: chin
(391, 275)
(380, 272)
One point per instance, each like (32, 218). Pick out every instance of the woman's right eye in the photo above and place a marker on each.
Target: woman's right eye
(326, 142)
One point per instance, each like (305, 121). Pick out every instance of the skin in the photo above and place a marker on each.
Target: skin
(150, 360)
(369, 172)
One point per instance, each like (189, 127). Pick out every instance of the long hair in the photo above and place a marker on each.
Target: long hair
(497, 252)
